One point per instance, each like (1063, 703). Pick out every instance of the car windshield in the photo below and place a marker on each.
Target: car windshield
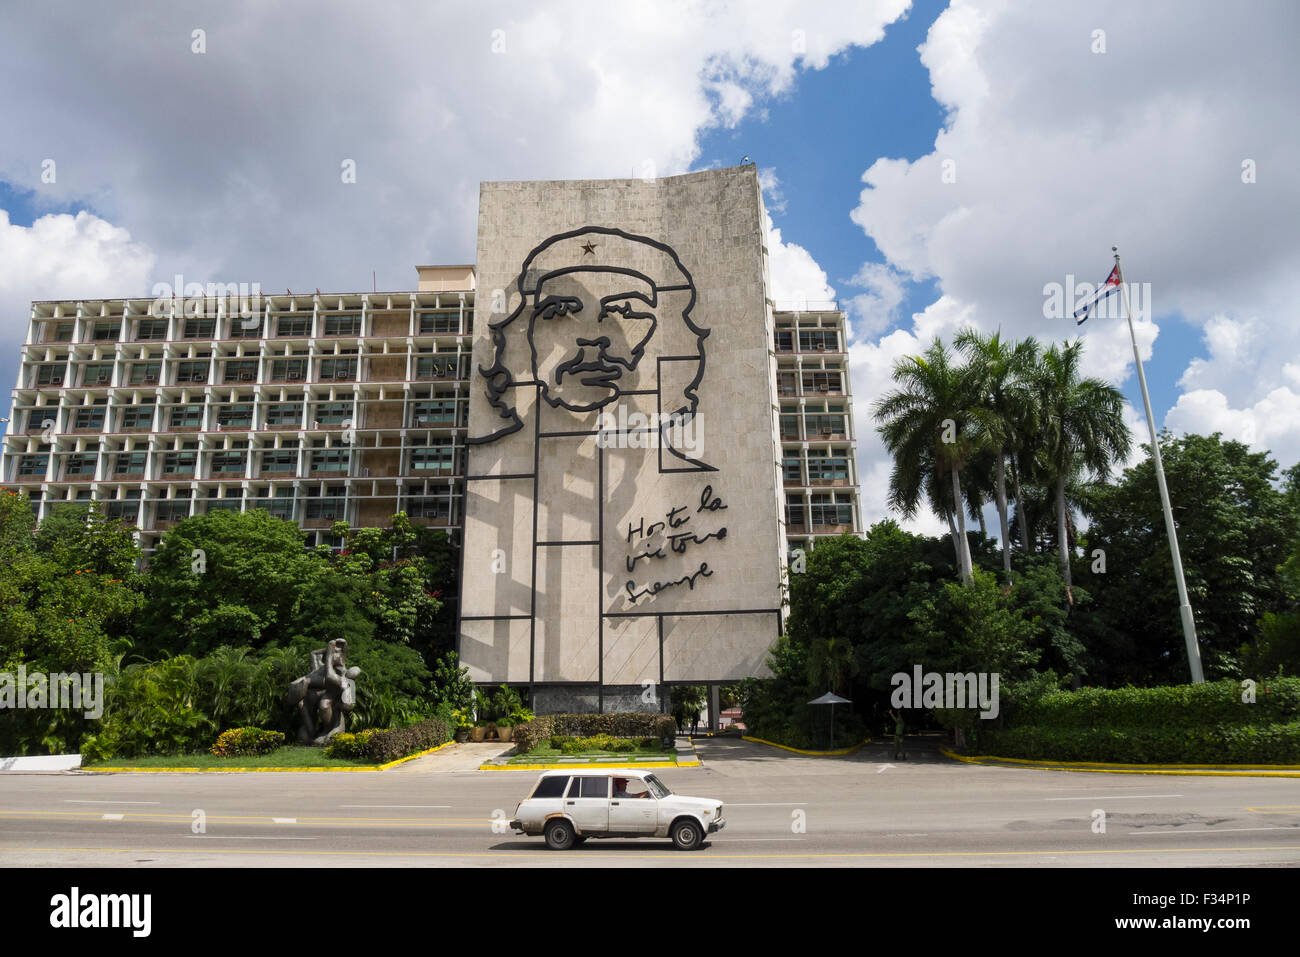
(657, 787)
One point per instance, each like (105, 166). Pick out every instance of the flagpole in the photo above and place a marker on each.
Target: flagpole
(1185, 606)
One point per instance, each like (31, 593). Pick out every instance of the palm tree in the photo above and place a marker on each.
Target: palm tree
(999, 371)
(1081, 428)
(924, 426)
(830, 663)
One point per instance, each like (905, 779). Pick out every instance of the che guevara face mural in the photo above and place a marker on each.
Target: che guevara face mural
(599, 310)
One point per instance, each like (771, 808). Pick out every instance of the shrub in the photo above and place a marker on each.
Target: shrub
(239, 742)
(348, 745)
(1210, 744)
(385, 746)
(623, 725)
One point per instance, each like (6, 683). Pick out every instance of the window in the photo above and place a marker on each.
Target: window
(338, 368)
(822, 382)
(49, 375)
(245, 370)
(145, 373)
(790, 427)
(785, 383)
(435, 508)
(292, 370)
(292, 325)
(440, 323)
(794, 511)
(827, 468)
(328, 509)
(828, 510)
(89, 418)
(282, 505)
(594, 786)
(174, 462)
(63, 332)
(439, 455)
(137, 417)
(818, 340)
(225, 463)
(434, 413)
(83, 463)
(436, 367)
(126, 511)
(552, 787)
(192, 372)
(280, 460)
(173, 510)
(105, 331)
(330, 460)
(187, 417)
(128, 463)
(245, 327)
(342, 325)
(149, 329)
(825, 425)
(235, 416)
(784, 341)
(791, 472)
(100, 373)
(33, 464)
(199, 329)
(333, 413)
(284, 413)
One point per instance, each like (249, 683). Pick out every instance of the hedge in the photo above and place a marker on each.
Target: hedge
(385, 746)
(623, 725)
(238, 742)
(1145, 744)
(1277, 701)
(348, 745)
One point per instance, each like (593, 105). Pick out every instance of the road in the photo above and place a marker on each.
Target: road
(781, 809)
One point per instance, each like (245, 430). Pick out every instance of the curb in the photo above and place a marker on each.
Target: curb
(378, 767)
(815, 754)
(591, 764)
(1097, 767)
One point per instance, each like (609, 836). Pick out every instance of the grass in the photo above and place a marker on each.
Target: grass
(545, 754)
(289, 756)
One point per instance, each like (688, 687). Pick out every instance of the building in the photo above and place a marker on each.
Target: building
(318, 407)
(488, 403)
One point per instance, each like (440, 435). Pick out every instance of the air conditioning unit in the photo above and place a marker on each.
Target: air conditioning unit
(102, 380)
(151, 380)
(245, 377)
(56, 380)
(295, 376)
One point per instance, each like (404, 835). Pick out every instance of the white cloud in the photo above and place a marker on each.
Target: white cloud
(61, 252)
(796, 278)
(1055, 152)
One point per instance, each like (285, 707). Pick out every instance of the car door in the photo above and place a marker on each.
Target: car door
(587, 803)
(633, 809)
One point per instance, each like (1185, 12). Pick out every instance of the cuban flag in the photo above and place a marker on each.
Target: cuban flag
(1104, 292)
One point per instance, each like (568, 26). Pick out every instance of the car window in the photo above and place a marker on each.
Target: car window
(657, 787)
(595, 787)
(551, 787)
(575, 787)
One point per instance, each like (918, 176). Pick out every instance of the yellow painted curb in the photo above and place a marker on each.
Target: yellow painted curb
(571, 766)
(378, 767)
(815, 754)
(1096, 767)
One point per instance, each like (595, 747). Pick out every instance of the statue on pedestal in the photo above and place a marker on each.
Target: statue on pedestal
(324, 696)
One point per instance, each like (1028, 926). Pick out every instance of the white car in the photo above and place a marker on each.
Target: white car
(567, 807)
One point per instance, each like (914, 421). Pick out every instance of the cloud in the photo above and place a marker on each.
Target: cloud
(1051, 152)
(797, 281)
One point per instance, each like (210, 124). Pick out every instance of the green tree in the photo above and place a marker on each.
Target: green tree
(1080, 425)
(925, 424)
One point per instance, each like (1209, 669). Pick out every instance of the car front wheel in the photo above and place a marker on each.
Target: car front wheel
(559, 835)
(687, 835)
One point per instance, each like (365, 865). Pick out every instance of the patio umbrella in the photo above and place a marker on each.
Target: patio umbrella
(831, 699)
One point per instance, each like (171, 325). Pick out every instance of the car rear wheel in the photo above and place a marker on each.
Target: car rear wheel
(687, 835)
(559, 835)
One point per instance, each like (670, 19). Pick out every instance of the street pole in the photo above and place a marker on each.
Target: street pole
(1185, 606)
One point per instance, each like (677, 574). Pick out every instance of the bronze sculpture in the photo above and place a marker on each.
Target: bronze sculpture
(325, 695)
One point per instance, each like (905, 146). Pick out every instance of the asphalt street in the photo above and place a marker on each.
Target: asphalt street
(781, 809)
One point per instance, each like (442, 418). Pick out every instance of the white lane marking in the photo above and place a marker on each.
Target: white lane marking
(771, 804)
(284, 820)
(443, 806)
(67, 801)
(757, 840)
(236, 837)
(113, 817)
(1115, 797)
(1211, 830)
